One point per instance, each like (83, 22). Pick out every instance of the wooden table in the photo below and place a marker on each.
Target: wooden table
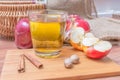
(5, 45)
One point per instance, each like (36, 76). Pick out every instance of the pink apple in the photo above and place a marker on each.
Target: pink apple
(22, 34)
(71, 20)
(82, 23)
(99, 50)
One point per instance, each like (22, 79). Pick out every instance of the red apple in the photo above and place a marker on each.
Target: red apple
(99, 50)
(71, 20)
(69, 25)
(22, 34)
(82, 23)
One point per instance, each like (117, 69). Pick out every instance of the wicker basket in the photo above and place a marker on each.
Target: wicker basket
(16, 2)
(11, 12)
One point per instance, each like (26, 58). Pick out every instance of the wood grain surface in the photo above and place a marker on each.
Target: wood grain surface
(53, 69)
(9, 45)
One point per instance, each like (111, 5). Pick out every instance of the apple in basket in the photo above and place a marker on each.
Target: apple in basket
(22, 34)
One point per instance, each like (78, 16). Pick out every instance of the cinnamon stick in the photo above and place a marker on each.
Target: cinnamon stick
(33, 59)
(21, 67)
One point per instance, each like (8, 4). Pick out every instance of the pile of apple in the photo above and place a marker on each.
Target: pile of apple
(82, 39)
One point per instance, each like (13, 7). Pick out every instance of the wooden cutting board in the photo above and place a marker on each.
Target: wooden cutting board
(53, 69)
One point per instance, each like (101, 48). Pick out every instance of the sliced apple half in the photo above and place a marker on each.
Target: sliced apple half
(99, 50)
(89, 41)
(103, 46)
(77, 34)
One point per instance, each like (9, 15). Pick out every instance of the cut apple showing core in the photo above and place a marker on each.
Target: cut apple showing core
(78, 31)
(77, 34)
(103, 46)
(99, 50)
(89, 41)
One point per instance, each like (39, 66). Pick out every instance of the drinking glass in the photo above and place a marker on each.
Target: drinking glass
(47, 31)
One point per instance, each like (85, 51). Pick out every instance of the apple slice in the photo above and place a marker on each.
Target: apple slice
(89, 41)
(99, 50)
(77, 34)
(103, 46)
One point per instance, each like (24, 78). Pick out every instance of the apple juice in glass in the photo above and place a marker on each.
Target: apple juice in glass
(47, 31)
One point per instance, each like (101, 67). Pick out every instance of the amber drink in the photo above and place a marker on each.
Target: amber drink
(47, 30)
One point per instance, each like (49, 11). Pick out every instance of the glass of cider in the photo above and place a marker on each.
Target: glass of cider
(47, 31)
